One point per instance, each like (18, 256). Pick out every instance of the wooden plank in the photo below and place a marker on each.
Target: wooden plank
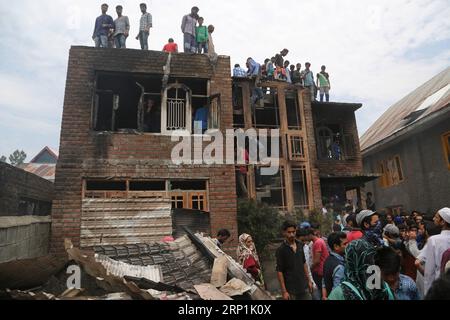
(235, 287)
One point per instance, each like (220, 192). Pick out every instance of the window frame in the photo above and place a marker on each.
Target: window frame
(293, 156)
(215, 106)
(387, 178)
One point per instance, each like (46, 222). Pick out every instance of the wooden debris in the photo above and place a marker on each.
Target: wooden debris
(208, 292)
(28, 295)
(235, 287)
(109, 282)
(29, 273)
(158, 286)
(71, 293)
(207, 246)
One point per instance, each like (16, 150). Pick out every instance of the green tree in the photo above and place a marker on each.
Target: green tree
(260, 221)
(2, 159)
(17, 158)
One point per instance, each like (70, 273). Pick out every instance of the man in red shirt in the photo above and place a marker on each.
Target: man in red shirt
(171, 47)
(320, 254)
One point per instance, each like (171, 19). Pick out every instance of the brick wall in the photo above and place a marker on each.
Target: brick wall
(16, 183)
(84, 153)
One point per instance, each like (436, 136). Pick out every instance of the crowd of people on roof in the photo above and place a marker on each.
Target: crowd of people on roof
(197, 38)
(278, 69)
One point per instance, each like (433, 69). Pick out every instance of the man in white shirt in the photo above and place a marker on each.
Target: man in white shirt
(436, 246)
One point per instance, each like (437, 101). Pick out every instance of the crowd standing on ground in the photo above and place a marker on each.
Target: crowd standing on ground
(376, 256)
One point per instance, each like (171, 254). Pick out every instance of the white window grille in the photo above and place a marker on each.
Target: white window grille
(176, 109)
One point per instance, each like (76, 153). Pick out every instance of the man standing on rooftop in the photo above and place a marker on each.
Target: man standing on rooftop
(121, 29)
(324, 84)
(144, 27)
(103, 24)
(188, 26)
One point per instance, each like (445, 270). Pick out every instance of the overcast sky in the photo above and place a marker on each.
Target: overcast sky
(375, 51)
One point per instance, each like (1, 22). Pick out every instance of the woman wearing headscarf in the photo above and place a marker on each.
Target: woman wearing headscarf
(359, 256)
(248, 257)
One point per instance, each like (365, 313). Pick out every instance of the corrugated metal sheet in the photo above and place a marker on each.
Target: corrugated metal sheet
(180, 261)
(392, 120)
(125, 221)
(121, 269)
(46, 171)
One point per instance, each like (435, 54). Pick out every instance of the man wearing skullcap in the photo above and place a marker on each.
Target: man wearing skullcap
(436, 246)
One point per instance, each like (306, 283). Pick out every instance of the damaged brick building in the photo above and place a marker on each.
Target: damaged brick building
(115, 180)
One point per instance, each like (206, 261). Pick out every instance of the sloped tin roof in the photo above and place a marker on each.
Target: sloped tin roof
(432, 96)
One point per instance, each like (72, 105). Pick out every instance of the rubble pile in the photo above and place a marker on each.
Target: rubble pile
(190, 268)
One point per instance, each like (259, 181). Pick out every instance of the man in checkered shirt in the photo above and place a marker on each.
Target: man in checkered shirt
(144, 27)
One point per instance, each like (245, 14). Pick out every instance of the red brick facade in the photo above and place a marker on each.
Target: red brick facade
(88, 154)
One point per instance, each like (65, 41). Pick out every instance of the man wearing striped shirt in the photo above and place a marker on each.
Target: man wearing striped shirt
(188, 26)
(144, 27)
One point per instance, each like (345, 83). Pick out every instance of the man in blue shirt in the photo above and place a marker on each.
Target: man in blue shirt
(403, 286)
(254, 72)
(254, 68)
(201, 120)
(239, 72)
(103, 25)
(333, 269)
